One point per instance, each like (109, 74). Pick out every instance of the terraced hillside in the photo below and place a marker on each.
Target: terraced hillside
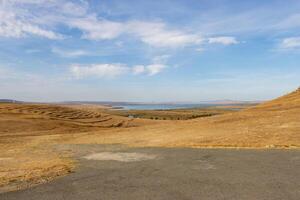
(35, 119)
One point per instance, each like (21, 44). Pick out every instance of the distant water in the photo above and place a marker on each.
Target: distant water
(159, 106)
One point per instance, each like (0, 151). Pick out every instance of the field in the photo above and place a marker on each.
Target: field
(172, 114)
(32, 136)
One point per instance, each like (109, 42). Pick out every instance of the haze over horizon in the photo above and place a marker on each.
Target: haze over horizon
(142, 51)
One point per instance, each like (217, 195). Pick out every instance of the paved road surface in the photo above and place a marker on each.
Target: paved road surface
(162, 174)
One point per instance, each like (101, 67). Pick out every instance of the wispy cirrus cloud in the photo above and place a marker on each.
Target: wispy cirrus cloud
(290, 43)
(98, 70)
(21, 18)
(113, 70)
(17, 20)
(155, 69)
(69, 53)
(152, 33)
(159, 35)
(95, 29)
(223, 40)
(11, 26)
(150, 70)
(138, 69)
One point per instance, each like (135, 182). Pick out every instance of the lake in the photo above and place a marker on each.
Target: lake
(159, 106)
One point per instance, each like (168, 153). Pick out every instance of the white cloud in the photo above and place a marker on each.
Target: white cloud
(98, 70)
(14, 24)
(69, 53)
(95, 29)
(222, 40)
(35, 30)
(12, 27)
(21, 18)
(152, 33)
(150, 70)
(155, 69)
(157, 34)
(138, 69)
(113, 70)
(290, 43)
(75, 9)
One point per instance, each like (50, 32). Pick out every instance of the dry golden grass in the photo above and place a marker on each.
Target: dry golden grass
(25, 161)
(29, 133)
(271, 124)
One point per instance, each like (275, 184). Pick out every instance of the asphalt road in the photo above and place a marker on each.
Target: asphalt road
(162, 174)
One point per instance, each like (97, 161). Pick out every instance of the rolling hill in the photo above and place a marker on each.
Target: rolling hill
(273, 124)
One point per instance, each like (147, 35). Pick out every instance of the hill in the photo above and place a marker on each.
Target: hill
(44, 119)
(284, 103)
(9, 101)
(273, 124)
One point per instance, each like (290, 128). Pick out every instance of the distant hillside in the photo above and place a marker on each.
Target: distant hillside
(124, 103)
(284, 103)
(229, 102)
(9, 101)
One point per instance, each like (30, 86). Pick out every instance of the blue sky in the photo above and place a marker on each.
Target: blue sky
(130, 50)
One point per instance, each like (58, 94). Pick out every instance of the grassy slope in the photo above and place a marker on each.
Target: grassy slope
(271, 124)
